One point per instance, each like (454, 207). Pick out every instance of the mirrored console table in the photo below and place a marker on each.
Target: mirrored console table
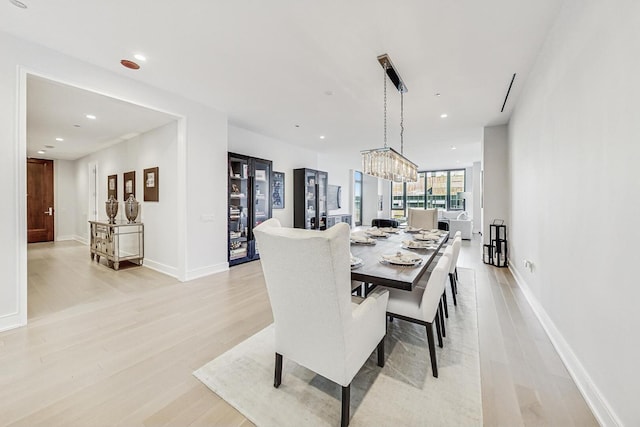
(117, 242)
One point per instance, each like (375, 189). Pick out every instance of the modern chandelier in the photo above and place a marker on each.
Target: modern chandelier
(385, 162)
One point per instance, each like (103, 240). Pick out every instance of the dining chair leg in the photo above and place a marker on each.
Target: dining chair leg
(346, 397)
(438, 331)
(432, 350)
(453, 288)
(381, 353)
(455, 271)
(277, 379)
(444, 331)
(444, 300)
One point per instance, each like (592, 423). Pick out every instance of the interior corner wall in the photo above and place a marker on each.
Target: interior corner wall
(495, 160)
(574, 155)
(285, 158)
(340, 166)
(201, 163)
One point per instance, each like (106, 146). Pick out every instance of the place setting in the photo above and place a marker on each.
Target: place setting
(417, 244)
(359, 239)
(399, 258)
(355, 262)
(376, 232)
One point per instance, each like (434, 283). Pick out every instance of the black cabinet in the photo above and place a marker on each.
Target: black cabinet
(249, 204)
(310, 199)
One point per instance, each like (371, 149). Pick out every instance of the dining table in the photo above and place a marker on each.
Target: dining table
(374, 269)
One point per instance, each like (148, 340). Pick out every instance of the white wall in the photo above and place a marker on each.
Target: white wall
(201, 161)
(285, 158)
(476, 188)
(495, 161)
(157, 147)
(64, 199)
(574, 152)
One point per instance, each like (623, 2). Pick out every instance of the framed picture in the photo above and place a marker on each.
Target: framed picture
(129, 184)
(151, 185)
(112, 186)
(277, 193)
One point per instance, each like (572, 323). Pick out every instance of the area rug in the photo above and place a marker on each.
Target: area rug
(404, 392)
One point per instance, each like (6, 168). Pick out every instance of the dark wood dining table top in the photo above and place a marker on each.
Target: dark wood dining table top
(394, 276)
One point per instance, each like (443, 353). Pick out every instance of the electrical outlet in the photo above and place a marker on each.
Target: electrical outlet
(527, 264)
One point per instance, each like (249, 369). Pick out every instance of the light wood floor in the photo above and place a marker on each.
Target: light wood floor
(118, 348)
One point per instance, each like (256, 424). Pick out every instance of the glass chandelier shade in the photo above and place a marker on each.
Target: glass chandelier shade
(387, 163)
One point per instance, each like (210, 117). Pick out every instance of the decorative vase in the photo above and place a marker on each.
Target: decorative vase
(111, 207)
(131, 208)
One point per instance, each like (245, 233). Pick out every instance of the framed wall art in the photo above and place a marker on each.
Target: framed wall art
(129, 184)
(151, 185)
(112, 186)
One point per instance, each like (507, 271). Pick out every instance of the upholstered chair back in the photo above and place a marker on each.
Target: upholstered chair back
(434, 289)
(423, 218)
(308, 278)
(455, 252)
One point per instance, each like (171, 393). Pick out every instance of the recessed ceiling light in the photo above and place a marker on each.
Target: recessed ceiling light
(77, 126)
(140, 57)
(18, 4)
(59, 139)
(321, 136)
(90, 117)
(437, 94)
(297, 126)
(49, 146)
(41, 151)
(129, 64)
(328, 92)
(453, 147)
(444, 115)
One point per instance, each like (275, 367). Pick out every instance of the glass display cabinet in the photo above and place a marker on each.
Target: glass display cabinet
(249, 204)
(310, 199)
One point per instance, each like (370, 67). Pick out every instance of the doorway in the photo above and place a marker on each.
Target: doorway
(83, 148)
(40, 200)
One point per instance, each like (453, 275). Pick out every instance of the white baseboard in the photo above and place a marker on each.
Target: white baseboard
(11, 321)
(206, 271)
(161, 268)
(81, 239)
(594, 398)
(65, 238)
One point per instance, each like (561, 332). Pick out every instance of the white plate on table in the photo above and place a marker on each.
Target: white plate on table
(376, 233)
(415, 244)
(362, 240)
(356, 262)
(426, 237)
(388, 230)
(410, 229)
(401, 258)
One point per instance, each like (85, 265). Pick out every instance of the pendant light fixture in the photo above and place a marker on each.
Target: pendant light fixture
(385, 162)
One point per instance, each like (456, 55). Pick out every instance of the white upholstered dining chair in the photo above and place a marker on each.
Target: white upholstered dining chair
(308, 277)
(421, 305)
(423, 218)
(453, 251)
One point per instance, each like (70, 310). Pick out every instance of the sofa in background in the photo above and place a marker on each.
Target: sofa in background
(458, 221)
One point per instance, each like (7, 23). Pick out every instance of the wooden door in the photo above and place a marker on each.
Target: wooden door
(39, 200)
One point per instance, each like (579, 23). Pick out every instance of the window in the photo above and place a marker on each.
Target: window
(357, 198)
(397, 199)
(434, 189)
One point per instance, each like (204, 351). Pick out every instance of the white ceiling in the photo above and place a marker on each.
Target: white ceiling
(55, 110)
(269, 64)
